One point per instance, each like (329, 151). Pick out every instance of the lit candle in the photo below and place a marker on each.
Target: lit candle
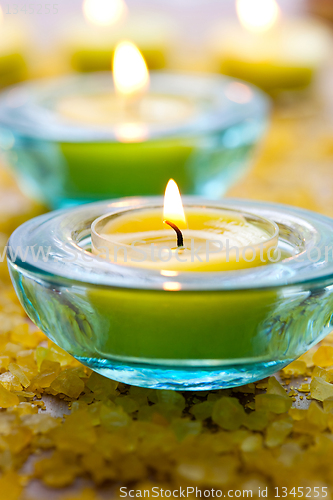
(131, 108)
(205, 239)
(94, 140)
(268, 50)
(166, 328)
(91, 41)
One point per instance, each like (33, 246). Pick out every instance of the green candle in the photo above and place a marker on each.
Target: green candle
(265, 49)
(130, 168)
(206, 326)
(169, 324)
(91, 43)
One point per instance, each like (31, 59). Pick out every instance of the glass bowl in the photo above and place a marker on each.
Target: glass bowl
(64, 159)
(184, 331)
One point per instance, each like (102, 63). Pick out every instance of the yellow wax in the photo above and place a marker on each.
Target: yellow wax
(214, 240)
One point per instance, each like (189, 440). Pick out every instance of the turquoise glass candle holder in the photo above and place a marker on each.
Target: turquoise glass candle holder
(63, 160)
(185, 330)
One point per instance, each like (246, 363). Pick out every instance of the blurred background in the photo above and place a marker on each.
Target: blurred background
(189, 23)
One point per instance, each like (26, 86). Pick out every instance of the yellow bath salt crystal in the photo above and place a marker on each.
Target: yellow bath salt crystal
(23, 408)
(140, 393)
(52, 353)
(228, 413)
(113, 418)
(296, 368)
(155, 418)
(322, 373)
(323, 356)
(66, 358)
(328, 405)
(292, 393)
(22, 334)
(256, 420)
(185, 427)
(40, 423)
(68, 383)
(4, 362)
(49, 367)
(59, 470)
(10, 382)
(81, 371)
(18, 439)
(167, 411)
(307, 357)
(320, 389)
(11, 349)
(246, 389)
(297, 413)
(26, 360)
(39, 404)
(203, 410)
(220, 471)
(252, 443)
(7, 398)
(127, 403)
(274, 387)
(278, 431)
(316, 416)
(250, 405)
(170, 398)
(25, 395)
(17, 371)
(273, 403)
(75, 434)
(49, 370)
(102, 386)
(10, 486)
(85, 494)
(93, 410)
(132, 469)
(304, 388)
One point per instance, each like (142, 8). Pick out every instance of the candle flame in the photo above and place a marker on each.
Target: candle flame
(130, 72)
(131, 132)
(172, 286)
(173, 210)
(257, 15)
(104, 12)
(168, 273)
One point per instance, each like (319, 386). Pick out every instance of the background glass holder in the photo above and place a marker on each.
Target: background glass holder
(62, 162)
(219, 329)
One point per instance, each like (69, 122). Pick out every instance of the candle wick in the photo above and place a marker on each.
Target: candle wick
(180, 239)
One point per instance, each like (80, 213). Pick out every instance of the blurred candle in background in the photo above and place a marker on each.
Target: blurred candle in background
(13, 42)
(269, 49)
(90, 42)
